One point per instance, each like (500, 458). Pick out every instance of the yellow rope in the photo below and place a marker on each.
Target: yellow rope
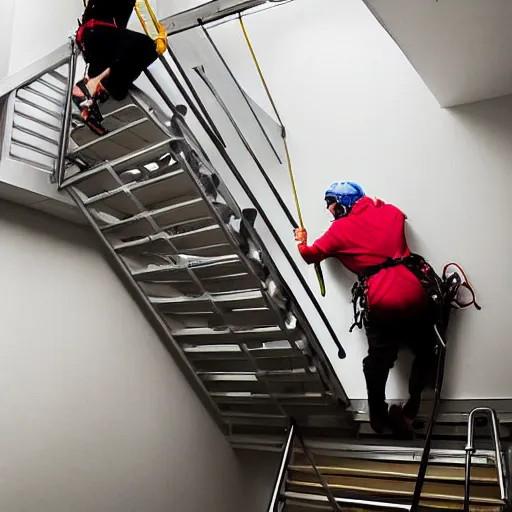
(161, 34)
(318, 268)
(271, 99)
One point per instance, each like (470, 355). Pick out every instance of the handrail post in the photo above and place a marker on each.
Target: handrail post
(470, 450)
(422, 471)
(285, 459)
(60, 164)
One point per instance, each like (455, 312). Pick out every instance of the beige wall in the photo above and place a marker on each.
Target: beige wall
(94, 414)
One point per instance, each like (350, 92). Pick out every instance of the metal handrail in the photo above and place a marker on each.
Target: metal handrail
(277, 274)
(60, 165)
(281, 473)
(422, 470)
(236, 173)
(470, 450)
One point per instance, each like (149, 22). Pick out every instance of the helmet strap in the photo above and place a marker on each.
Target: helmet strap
(341, 211)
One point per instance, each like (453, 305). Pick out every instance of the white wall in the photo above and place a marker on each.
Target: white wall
(39, 27)
(355, 109)
(6, 36)
(95, 414)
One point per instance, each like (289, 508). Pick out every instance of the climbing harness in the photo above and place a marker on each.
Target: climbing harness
(442, 292)
(151, 26)
(318, 269)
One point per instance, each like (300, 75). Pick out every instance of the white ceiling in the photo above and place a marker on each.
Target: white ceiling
(461, 48)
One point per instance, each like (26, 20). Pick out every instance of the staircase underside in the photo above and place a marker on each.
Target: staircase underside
(156, 200)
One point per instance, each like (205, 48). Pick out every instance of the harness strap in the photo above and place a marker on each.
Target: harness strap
(416, 264)
(89, 24)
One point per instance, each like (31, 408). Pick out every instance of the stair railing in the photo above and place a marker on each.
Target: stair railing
(422, 471)
(470, 450)
(236, 173)
(60, 166)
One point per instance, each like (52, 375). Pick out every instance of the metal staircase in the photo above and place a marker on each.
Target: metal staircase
(156, 202)
(197, 266)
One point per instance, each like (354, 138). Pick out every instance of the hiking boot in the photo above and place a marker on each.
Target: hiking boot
(379, 419)
(400, 424)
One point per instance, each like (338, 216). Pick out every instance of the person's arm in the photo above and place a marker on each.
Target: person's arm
(312, 253)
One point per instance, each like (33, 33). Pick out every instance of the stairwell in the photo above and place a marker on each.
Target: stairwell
(196, 264)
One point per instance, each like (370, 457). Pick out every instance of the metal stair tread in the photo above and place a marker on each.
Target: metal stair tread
(209, 336)
(99, 141)
(119, 199)
(440, 430)
(218, 263)
(399, 488)
(251, 376)
(124, 114)
(388, 469)
(35, 100)
(186, 209)
(224, 299)
(304, 502)
(188, 242)
(129, 161)
(248, 397)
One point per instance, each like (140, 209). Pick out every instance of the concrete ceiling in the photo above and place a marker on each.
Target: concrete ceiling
(461, 48)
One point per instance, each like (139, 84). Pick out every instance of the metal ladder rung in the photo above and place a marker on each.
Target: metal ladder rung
(51, 86)
(55, 128)
(206, 336)
(39, 107)
(106, 138)
(134, 159)
(173, 209)
(58, 76)
(50, 99)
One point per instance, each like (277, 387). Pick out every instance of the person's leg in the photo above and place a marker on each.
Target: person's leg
(132, 53)
(422, 344)
(382, 354)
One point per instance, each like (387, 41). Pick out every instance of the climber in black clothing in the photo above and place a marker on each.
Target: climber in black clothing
(115, 56)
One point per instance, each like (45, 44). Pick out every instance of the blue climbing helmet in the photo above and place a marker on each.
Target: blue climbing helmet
(345, 193)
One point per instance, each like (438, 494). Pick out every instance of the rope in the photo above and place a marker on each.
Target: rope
(318, 269)
(160, 37)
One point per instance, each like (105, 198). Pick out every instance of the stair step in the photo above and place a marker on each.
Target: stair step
(206, 336)
(386, 469)
(440, 430)
(141, 226)
(206, 268)
(121, 142)
(87, 182)
(152, 193)
(35, 100)
(304, 502)
(190, 242)
(304, 482)
(113, 120)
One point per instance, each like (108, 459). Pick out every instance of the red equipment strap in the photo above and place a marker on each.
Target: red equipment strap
(91, 24)
(466, 284)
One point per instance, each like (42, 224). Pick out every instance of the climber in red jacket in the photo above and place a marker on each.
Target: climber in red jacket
(390, 297)
(115, 56)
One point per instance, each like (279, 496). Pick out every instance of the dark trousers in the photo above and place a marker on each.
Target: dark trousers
(386, 333)
(125, 52)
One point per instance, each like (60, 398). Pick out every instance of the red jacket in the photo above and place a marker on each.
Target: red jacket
(369, 235)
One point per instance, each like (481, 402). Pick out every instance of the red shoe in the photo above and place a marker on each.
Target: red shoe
(89, 111)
